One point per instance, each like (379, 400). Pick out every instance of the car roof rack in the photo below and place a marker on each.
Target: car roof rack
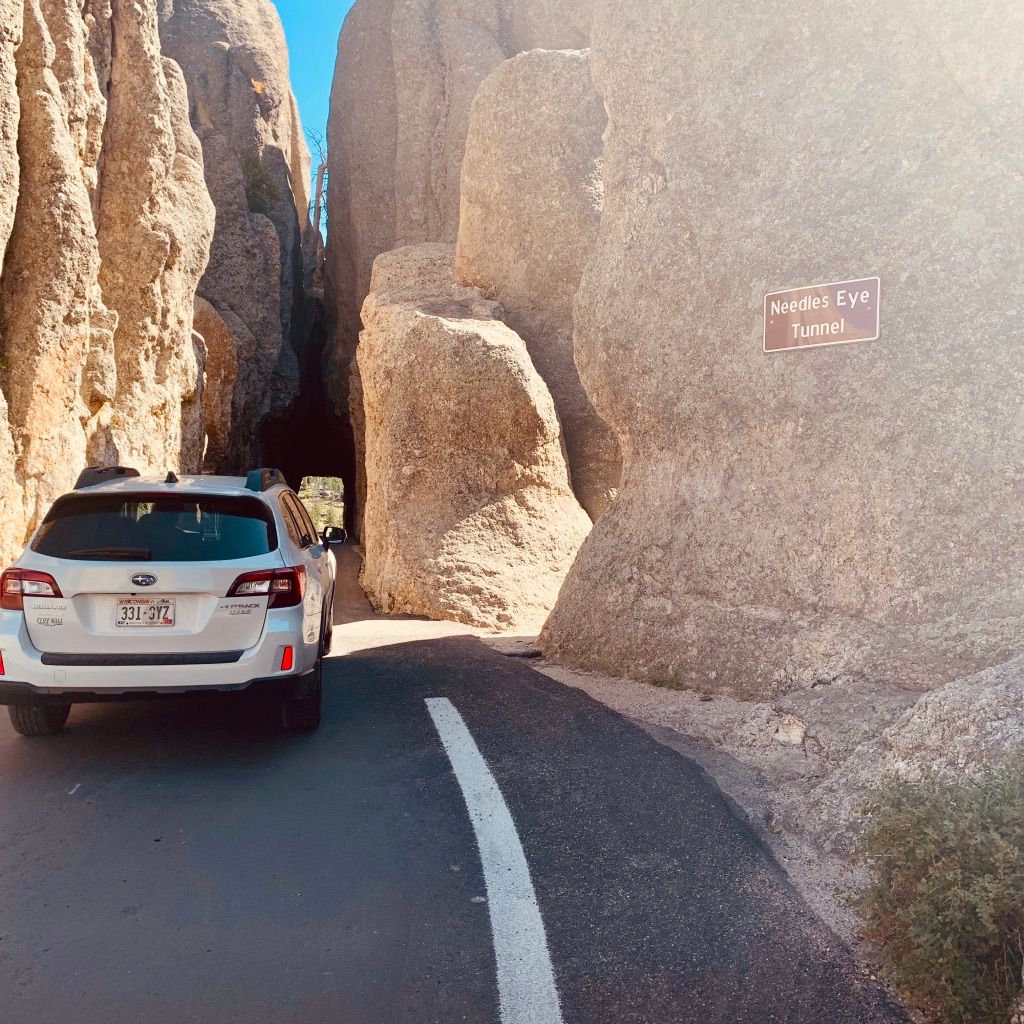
(263, 479)
(94, 475)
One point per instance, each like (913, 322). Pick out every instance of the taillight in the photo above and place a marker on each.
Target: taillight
(284, 587)
(17, 584)
(252, 584)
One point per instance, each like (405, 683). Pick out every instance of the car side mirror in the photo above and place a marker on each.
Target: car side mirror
(335, 535)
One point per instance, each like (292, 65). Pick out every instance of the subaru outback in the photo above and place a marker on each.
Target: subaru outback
(135, 587)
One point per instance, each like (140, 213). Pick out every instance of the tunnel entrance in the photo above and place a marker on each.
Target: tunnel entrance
(311, 439)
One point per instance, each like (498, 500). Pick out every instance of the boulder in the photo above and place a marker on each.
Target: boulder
(406, 77)
(954, 731)
(836, 512)
(960, 727)
(531, 208)
(469, 514)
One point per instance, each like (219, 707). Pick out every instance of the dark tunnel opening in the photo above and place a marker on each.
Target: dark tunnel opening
(311, 439)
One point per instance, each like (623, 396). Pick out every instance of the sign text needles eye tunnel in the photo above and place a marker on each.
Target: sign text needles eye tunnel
(823, 314)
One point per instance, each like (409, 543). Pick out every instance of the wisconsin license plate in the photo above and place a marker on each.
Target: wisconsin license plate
(144, 611)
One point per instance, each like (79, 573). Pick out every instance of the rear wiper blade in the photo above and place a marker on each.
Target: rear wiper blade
(126, 554)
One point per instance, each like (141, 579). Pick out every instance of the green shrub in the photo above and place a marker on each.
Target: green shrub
(261, 191)
(946, 899)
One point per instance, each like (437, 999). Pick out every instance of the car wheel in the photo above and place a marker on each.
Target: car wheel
(303, 714)
(39, 719)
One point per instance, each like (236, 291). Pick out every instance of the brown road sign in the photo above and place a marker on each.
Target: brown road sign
(823, 314)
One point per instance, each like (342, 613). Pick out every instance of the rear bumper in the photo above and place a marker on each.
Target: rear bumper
(14, 693)
(30, 676)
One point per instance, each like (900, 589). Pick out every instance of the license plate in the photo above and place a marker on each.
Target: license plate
(144, 611)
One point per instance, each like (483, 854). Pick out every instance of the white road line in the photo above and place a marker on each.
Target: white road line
(526, 981)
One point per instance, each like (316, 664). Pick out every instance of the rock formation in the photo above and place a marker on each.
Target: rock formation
(362, 154)
(469, 514)
(228, 347)
(406, 77)
(45, 304)
(361, 151)
(956, 731)
(531, 208)
(106, 226)
(100, 262)
(11, 20)
(11, 17)
(834, 512)
(155, 221)
(962, 726)
(235, 61)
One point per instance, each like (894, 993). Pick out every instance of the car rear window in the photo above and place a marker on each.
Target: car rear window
(156, 528)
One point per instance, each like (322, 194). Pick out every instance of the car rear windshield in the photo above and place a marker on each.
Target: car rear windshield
(156, 528)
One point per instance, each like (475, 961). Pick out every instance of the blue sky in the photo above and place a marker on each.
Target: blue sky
(312, 27)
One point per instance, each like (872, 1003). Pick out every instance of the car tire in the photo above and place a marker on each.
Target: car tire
(329, 634)
(303, 714)
(39, 719)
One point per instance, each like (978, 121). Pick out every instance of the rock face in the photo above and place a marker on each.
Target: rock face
(46, 304)
(11, 18)
(835, 512)
(955, 730)
(227, 347)
(362, 141)
(361, 152)
(155, 221)
(469, 514)
(406, 78)
(100, 262)
(257, 164)
(531, 208)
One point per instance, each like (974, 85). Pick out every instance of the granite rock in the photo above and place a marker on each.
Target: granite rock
(257, 165)
(105, 227)
(469, 514)
(833, 513)
(406, 77)
(531, 208)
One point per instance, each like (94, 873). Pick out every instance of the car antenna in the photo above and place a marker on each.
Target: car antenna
(171, 478)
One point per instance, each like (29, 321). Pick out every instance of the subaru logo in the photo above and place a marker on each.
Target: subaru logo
(144, 579)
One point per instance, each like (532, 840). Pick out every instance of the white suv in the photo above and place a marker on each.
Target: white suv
(138, 587)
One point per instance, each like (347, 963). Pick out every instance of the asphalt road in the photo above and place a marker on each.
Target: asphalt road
(185, 863)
